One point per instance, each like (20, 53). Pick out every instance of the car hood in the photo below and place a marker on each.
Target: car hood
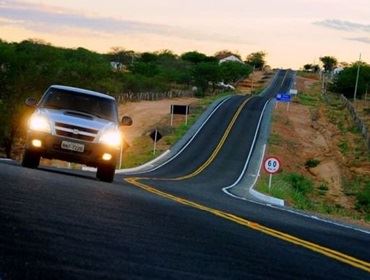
(74, 118)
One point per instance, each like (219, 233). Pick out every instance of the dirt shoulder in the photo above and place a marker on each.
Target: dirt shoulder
(148, 116)
(316, 139)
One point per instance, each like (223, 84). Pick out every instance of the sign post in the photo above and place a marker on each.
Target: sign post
(283, 97)
(179, 110)
(271, 165)
(156, 136)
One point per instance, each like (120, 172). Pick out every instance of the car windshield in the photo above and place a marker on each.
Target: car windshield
(85, 103)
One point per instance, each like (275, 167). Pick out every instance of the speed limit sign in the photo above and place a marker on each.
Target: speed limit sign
(272, 165)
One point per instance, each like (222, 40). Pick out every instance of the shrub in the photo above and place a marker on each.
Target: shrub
(363, 199)
(311, 163)
(343, 147)
(323, 187)
(299, 183)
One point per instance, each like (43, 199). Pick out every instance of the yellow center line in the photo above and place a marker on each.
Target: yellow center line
(214, 153)
(218, 147)
(241, 221)
(341, 257)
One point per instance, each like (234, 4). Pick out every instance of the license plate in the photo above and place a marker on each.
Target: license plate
(76, 147)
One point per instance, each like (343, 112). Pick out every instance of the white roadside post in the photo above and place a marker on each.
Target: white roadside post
(155, 141)
(172, 115)
(271, 165)
(186, 115)
(156, 136)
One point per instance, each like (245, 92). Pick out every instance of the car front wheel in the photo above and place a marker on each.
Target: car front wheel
(31, 159)
(105, 173)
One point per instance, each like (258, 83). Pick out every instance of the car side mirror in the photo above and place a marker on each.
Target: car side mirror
(31, 102)
(126, 121)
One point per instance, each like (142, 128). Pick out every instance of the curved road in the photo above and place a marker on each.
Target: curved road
(171, 223)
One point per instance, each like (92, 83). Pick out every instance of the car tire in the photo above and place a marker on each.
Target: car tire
(105, 173)
(31, 159)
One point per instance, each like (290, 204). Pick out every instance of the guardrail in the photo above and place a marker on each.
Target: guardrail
(358, 121)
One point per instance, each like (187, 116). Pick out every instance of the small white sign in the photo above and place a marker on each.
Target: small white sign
(293, 91)
(272, 165)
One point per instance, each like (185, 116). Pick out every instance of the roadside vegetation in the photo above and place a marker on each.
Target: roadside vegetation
(331, 173)
(29, 67)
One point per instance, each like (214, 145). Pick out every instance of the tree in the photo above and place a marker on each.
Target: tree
(206, 73)
(311, 68)
(344, 81)
(329, 63)
(231, 71)
(122, 55)
(256, 60)
(194, 57)
(307, 67)
(148, 57)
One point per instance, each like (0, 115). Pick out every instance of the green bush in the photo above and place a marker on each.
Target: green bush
(343, 147)
(363, 199)
(299, 183)
(323, 187)
(311, 163)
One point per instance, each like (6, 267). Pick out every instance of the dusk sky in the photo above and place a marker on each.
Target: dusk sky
(291, 32)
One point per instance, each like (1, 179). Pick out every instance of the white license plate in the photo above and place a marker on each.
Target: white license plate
(76, 147)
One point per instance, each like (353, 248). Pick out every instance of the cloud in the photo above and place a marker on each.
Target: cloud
(50, 19)
(365, 40)
(344, 25)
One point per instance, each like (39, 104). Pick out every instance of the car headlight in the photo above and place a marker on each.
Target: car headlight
(111, 138)
(39, 123)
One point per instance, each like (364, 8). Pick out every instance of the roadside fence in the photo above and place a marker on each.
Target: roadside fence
(151, 96)
(358, 121)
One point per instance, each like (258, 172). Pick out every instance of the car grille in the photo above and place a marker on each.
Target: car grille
(75, 132)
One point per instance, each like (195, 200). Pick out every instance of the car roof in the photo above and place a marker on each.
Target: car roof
(83, 91)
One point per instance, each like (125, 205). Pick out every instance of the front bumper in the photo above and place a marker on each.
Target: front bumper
(51, 149)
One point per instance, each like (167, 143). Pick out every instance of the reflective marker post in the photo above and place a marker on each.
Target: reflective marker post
(156, 136)
(155, 141)
(271, 165)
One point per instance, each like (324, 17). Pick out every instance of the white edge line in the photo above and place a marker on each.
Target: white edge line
(225, 190)
(187, 143)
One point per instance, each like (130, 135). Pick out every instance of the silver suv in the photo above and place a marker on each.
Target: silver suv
(75, 125)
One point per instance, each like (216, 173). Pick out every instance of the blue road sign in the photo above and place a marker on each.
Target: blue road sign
(283, 97)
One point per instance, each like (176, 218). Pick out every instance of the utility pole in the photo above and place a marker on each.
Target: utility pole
(358, 74)
(323, 85)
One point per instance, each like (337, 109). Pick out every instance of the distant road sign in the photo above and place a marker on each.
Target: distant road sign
(272, 165)
(155, 135)
(283, 97)
(180, 109)
(293, 92)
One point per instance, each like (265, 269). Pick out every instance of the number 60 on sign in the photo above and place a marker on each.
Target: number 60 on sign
(272, 165)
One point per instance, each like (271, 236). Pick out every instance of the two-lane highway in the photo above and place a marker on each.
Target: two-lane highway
(175, 224)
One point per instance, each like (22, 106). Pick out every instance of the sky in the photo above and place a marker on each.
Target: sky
(291, 32)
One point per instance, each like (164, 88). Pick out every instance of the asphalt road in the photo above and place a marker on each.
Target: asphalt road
(175, 224)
